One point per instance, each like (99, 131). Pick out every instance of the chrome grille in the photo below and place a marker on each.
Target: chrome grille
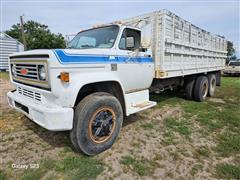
(24, 69)
(32, 71)
(30, 94)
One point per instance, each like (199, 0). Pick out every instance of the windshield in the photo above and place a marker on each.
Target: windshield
(103, 37)
(234, 63)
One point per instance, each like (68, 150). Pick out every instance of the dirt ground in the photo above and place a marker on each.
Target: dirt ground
(21, 140)
(5, 87)
(160, 143)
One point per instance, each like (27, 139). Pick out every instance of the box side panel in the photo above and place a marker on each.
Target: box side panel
(187, 49)
(178, 47)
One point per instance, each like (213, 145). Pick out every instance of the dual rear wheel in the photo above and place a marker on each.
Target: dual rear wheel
(200, 87)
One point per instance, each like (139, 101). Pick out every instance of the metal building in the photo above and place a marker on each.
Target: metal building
(8, 45)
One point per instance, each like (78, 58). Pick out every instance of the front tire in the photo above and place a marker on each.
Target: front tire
(201, 88)
(97, 123)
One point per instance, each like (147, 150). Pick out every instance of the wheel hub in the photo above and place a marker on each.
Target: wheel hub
(102, 125)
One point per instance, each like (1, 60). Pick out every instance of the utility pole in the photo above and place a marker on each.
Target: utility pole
(22, 33)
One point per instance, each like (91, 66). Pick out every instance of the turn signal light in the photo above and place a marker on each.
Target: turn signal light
(64, 76)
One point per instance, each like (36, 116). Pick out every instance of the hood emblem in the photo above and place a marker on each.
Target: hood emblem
(24, 71)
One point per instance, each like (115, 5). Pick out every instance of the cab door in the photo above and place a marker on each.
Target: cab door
(135, 67)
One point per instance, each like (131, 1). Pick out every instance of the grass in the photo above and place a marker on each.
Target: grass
(4, 75)
(178, 126)
(221, 121)
(196, 168)
(71, 167)
(229, 143)
(202, 151)
(169, 137)
(142, 168)
(228, 171)
(80, 167)
(44, 167)
(2, 175)
(147, 126)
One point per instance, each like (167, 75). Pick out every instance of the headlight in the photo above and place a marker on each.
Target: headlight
(13, 70)
(41, 72)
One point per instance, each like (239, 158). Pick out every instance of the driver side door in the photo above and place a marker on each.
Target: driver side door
(135, 68)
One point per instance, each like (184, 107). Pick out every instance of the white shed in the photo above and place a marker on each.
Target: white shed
(8, 45)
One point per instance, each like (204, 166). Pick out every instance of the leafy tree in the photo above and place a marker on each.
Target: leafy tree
(230, 51)
(37, 35)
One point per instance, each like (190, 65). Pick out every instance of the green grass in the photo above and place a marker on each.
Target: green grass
(71, 167)
(142, 168)
(2, 175)
(169, 137)
(179, 126)
(229, 143)
(206, 114)
(147, 126)
(80, 167)
(228, 171)
(4, 75)
(218, 120)
(35, 174)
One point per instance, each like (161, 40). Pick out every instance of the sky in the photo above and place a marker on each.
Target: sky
(220, 17)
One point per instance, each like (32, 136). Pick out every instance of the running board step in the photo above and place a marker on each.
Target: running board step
(141, 106)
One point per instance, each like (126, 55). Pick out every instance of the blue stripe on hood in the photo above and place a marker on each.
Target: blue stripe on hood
(66, 58)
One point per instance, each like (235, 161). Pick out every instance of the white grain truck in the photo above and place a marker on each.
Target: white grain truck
(107, 72)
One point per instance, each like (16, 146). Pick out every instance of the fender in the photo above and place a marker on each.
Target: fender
(68, 92)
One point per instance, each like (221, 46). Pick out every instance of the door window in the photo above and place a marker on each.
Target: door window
(130, 39)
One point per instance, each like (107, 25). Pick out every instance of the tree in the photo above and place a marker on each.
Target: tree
(230, 51)
(38, 36)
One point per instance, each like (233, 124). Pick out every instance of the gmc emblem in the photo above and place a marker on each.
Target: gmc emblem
(24, 71)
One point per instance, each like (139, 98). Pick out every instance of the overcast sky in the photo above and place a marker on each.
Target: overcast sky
(68, 17)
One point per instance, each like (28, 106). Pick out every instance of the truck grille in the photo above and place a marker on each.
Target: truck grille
(30, 94)
(31, 71)
(24, 69)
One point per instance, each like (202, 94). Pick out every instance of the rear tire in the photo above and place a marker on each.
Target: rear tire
(189, 88)
(97, 123)
(201, 88)
(211, 84)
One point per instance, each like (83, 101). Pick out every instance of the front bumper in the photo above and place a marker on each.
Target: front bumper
(54, 118)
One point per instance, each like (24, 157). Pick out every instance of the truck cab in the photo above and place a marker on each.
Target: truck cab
(103, 75)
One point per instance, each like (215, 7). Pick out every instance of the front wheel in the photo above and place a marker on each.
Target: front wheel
(97, 123)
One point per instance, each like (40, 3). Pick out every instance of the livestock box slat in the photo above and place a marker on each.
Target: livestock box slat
(179, 48)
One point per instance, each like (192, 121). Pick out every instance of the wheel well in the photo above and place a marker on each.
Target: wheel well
(111, 87)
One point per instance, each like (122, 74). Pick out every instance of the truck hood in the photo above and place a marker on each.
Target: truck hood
(77, 57)
(94, 51)
(61, 57)
(33, 52)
